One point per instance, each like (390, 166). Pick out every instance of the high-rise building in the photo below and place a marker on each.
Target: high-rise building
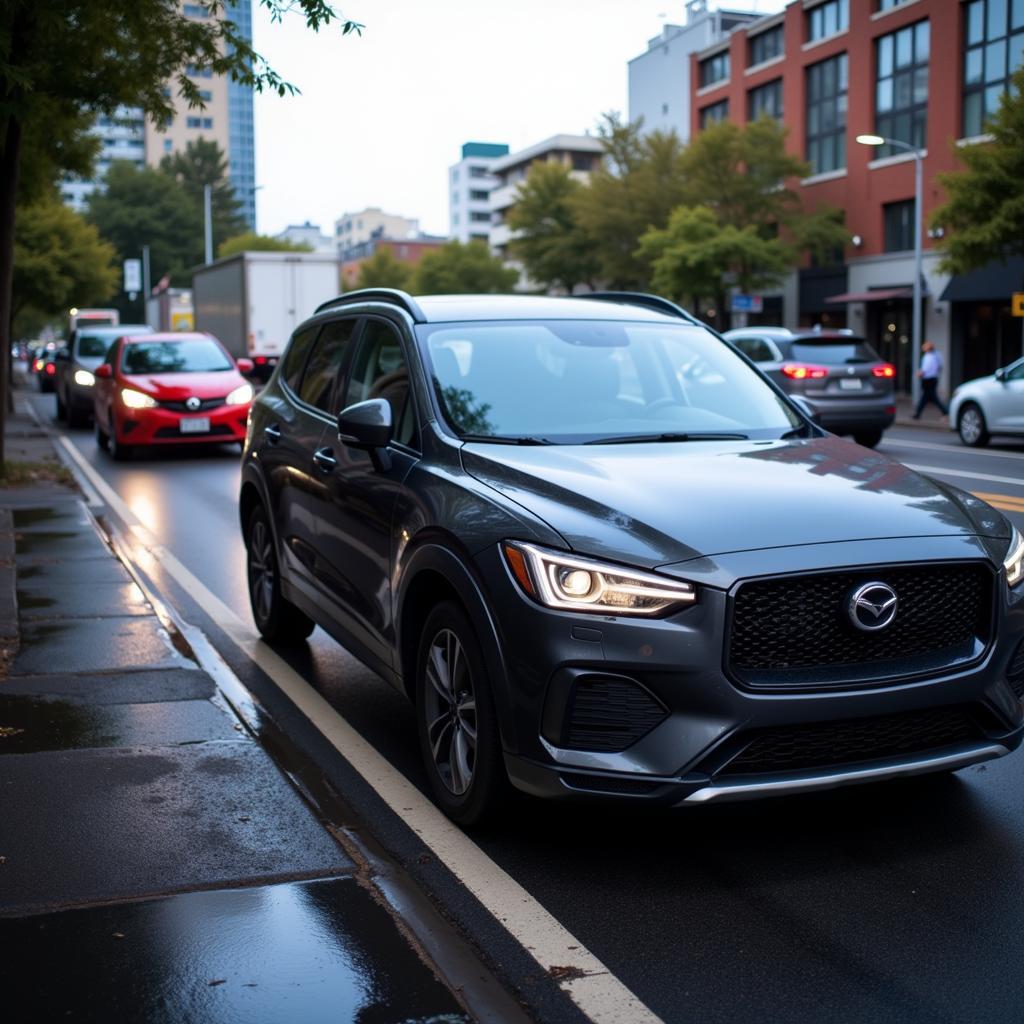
(226, 118)
(469, 190)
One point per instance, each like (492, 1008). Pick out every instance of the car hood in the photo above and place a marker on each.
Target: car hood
(170, 387)
(655, 504)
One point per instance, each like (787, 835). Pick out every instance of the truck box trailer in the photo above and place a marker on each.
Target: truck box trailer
(253, 301)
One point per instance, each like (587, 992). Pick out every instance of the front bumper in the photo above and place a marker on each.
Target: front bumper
(691, 753)
(163, 426)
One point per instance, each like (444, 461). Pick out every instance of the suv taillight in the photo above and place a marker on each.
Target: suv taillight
(804, 371)
(885, 370)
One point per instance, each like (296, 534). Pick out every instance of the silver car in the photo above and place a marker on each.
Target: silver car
(989, 405)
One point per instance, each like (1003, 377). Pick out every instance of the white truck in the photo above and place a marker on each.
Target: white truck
(252, 301)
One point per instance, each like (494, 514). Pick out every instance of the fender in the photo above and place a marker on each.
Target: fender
(252, 475)
(462, 576)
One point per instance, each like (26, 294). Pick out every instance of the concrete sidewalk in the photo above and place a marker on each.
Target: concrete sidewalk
(931, 418)
(155, 864)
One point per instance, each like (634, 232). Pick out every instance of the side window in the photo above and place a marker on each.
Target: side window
(295, 356)
(325, 363)
(1016, 372)
(380, 371)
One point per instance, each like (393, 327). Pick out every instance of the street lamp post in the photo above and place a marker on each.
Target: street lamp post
(915, 331)
(208, 221)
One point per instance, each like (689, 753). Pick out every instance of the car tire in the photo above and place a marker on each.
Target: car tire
(118, 452)
(277, 619)
(971, 427)
(868, 438)
(456, 720)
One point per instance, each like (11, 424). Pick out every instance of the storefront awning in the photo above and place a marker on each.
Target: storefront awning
(878, 295)
(993, 282)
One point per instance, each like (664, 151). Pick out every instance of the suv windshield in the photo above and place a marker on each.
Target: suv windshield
(94, 344)
(834, 353)
(577, 381)
(199, 355)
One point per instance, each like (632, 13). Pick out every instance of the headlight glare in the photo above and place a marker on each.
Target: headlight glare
(84, 379)
(240, 396)
(567, 582)
(136, 399)
(1014, 561)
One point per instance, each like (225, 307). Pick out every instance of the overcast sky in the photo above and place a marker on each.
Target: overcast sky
(383, 115)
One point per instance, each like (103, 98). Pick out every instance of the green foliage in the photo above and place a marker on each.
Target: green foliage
(59, 261)
(250, 241)
(549, 241)
(383, 270)
(458, 268)
(983, 218)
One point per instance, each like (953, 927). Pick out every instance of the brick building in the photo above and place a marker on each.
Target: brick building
(926, 72)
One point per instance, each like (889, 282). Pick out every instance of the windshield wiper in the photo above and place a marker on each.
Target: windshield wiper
(657, 438)
(498, 439)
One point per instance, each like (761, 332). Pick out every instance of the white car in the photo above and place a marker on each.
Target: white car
(989, 405)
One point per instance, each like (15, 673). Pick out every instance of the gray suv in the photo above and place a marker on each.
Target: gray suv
(608, 559)
(845, 381)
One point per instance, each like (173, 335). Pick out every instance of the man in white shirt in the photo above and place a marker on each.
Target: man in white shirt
(930, 372)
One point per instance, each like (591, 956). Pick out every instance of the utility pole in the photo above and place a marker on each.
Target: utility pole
(145, 284)
(208, 218)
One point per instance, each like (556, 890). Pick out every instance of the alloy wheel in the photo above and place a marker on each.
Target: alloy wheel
(971, 425)
(261, 571)
(450, 709)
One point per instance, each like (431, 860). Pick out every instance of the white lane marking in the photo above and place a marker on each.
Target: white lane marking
(591, 986)
(939, 471)
(896, 442)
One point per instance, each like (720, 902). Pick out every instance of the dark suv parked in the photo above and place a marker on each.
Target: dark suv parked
(846, 382)
(606, 557)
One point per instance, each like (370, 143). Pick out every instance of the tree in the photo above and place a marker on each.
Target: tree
(983, 218)
(549, 241)
(63, 59)
(249, 241)
(383, 270)
(463, 269)
(204, 163)
(59, 261)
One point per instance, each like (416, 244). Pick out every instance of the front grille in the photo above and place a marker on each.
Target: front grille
(1015, 673)
(609, 713)
(217, 430)
(794, 631)
(827, 744)
(204, 405)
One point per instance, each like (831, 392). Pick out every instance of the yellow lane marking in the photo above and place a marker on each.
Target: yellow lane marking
(1008, 502)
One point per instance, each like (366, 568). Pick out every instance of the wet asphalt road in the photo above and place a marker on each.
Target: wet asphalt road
(900, 902)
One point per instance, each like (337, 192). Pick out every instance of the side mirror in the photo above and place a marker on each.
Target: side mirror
(245, 366)
(806, 408)
(1000, 374)
(367, 426)
(103, 372)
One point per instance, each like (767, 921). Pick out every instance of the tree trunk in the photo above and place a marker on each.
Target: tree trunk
(9, 164)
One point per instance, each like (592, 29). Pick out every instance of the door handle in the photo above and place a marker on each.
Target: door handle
(324, 459)
(272, 433)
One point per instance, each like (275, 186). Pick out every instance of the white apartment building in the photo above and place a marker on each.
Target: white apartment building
(352, 229)
(580, 153)
(659, 80)
(122, 137)
(307, 234)
(470, 182)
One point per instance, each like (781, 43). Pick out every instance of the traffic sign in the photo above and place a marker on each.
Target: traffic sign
(133, 275)
(1018, 303)
(748, 303)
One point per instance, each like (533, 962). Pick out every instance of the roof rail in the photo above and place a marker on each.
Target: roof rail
(655, 302)
(392, 295)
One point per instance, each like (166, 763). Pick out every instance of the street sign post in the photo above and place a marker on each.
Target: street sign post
(133, 276)
(747, 303)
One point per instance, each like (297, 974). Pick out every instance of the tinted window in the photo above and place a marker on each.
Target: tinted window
(380, 371)
(194, 355)
(834, 352)
(325, 364)
(295, 357)
(93, 344)
(755, 348)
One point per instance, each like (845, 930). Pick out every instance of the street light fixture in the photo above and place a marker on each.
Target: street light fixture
(915, 362)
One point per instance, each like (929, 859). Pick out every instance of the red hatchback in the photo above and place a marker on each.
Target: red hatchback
(170, 389)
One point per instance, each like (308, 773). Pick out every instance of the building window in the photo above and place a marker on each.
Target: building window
(994, 49)
(714, 69)
(478, 172)
(888, 5)
(583, 161)
(192, 122)
(827, 19)
(478, 217)
(899, 225)
(713, 114)
(205, 95)
(195, 72)
(826, 115)
(901, 93)
(207, 122)
(194, 11)
(664, 109)
(765, 99)
(168, 145)
(766, 46)
(478, 193)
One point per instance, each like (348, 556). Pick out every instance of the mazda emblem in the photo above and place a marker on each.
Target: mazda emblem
(193, 403)
(872, 606)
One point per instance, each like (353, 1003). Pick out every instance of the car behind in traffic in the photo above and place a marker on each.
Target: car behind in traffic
(989, 405)
(606, 558)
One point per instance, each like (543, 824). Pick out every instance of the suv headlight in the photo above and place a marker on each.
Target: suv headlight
(570, 583)
(1014, 561)
(84, 379)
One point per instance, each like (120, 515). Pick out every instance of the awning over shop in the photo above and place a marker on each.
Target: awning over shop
(992, 282)
(878, 295)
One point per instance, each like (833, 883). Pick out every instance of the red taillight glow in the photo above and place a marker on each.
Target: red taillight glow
(260, 360)
(50, 369)
(804, 371)
(885, 370)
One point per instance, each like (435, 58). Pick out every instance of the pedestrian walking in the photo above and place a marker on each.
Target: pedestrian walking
(931, 370)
